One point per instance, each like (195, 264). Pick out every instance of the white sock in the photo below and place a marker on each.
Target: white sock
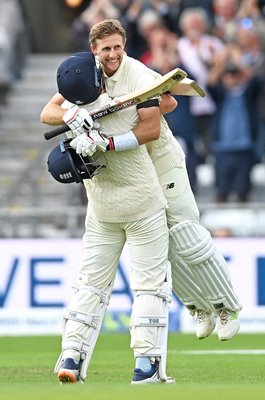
(143, 363)
(72, 354)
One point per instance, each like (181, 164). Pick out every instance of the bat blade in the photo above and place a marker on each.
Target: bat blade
(157, 88)
(188, 87)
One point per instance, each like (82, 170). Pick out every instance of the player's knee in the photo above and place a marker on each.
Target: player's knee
(191, 241)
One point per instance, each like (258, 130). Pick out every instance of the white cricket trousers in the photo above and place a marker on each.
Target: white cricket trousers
(180, 198)
(103, 242)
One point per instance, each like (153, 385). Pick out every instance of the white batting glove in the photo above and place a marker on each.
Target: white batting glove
(88, 143)
(83, 145)
(78, 120)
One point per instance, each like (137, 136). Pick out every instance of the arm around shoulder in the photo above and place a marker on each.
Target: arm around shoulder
(52, 113)
(167, 104)
(148, 128)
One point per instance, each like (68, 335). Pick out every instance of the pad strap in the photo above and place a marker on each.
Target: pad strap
(150, 320)
(87, 319)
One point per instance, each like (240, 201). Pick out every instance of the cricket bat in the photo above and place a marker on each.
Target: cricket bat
(158, 87)
(167, 83)
(187, 87)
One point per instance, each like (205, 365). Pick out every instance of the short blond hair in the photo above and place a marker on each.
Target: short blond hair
(106, 28)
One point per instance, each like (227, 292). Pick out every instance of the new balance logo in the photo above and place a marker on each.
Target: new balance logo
(170, 186)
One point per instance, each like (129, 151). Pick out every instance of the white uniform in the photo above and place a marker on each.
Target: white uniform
(123, 181)
(124, 205)
(194, 258)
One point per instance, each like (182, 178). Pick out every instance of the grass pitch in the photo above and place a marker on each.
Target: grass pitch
(203, 370)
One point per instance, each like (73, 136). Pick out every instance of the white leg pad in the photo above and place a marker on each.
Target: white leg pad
(194, 244)
(87, 325)
(184, 286)
(149, 325)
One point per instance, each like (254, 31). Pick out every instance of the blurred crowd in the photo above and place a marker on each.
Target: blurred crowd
(13, 44)
(220, 44)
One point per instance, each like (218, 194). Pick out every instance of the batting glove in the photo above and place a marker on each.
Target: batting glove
(78, 120)
(88, 143)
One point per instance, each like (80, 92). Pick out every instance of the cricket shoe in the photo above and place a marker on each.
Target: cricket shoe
(69, 371)
(205, 324)
(141, 378)
(228, 325)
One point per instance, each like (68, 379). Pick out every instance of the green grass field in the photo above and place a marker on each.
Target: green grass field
(203, 370)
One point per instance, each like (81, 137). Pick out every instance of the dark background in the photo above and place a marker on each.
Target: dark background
(48, 24)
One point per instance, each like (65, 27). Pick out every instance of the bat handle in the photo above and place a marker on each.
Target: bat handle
(56, 132)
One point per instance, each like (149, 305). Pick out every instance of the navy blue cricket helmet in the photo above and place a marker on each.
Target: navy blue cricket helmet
(66, 166)
(78, 78)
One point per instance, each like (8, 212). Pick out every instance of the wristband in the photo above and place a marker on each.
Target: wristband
(110, 145)
(125, 141)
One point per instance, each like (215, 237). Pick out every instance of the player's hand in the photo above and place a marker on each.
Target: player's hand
(78, 120)
(88, 143)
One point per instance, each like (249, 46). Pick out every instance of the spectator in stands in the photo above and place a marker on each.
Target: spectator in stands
(149, 24)
(235, 129)
(127, 11)
(197, 50)
(247, 51)
(96, 11)
(229, 14)
(252, 9)
(170, 10)
(207, 30)
(162, 12)
(163, 56)
(135, 44)
(260, 71)
(224, 20)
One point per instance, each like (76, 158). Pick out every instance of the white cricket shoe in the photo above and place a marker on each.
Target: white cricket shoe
(205, 324)
(228, 324)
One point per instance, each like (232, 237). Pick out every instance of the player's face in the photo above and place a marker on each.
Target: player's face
(110, 51)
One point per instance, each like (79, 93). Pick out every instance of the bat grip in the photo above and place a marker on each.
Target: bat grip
(56, 132)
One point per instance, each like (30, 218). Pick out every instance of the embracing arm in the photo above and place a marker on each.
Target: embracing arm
(148, 128)
(168, 104)
(78, 119)
(52, 113)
